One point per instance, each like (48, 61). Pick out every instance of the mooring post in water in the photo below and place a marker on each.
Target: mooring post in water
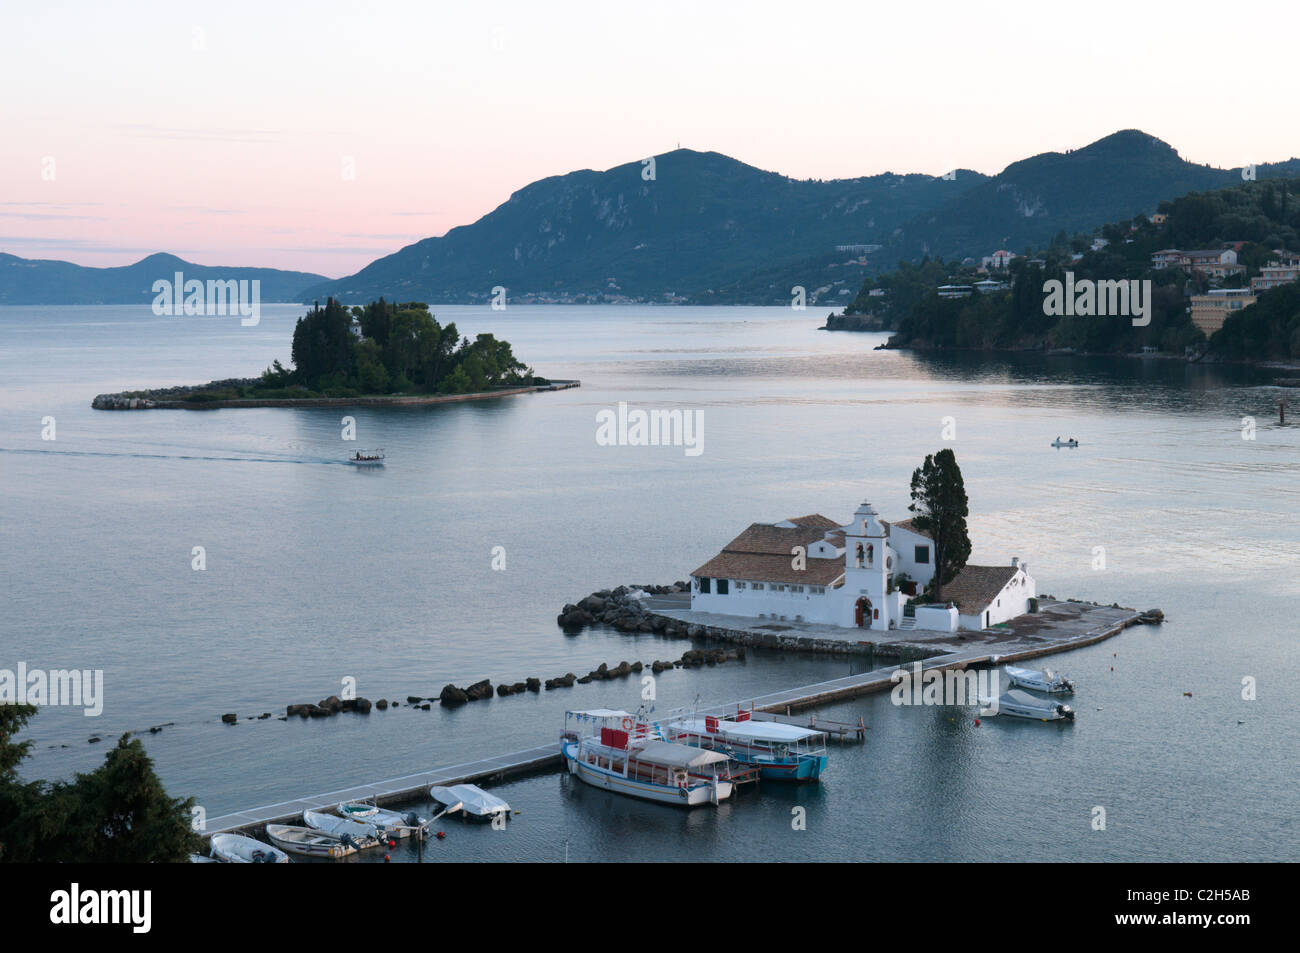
(1281, 410)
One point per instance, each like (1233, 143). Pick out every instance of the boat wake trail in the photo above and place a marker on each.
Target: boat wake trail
(309, 461)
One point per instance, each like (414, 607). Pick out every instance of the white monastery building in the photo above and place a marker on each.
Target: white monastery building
(865, 574)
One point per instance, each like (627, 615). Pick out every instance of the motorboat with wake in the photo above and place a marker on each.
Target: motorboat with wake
(367, 458)
(1023, 705)
(620, 752)
(1053, 683)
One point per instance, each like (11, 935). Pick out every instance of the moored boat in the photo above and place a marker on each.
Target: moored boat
(363, 833)
(1046, 680)
(628, 756)
(310, 842)
(238, 849)
(1022, 705)
(779, 751)
(357, 810)
(475, 803)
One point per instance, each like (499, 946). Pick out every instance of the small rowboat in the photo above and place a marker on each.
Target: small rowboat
(367, 458)
(473, 800)
(1059, 443)
(1047, 681)
(388, 822)
(238, 849)
(309, 842)
(363, 833)
(357, 810)
(1021, 705)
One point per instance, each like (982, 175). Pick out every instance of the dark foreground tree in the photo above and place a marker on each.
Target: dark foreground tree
(940, 507)
(118, 813)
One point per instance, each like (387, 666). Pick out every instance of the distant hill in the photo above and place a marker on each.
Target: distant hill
(707, 228)
(710, 229)
(1032, 200)
(37, 282)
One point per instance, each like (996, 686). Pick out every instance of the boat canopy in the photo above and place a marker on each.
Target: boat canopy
(676, 756)
(751, 730)
(602, 713)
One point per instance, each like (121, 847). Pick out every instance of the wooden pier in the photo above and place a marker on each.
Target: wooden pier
(775, 706)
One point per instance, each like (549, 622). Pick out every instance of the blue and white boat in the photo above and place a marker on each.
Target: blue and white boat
(779, 751)
(617, 751)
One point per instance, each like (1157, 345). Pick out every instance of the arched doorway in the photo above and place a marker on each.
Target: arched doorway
(862, 613)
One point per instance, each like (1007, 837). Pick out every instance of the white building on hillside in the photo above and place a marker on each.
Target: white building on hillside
(864, 574)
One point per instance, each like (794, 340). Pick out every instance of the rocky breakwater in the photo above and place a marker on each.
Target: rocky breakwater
(329, 706)
(623, 609)
(168, 396)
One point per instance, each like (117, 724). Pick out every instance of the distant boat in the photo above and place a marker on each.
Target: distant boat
(367, 458)
(1058, 443)
(309, 842)
(238, 849)
(1022, 705)
(1044, 681)
(474, 801)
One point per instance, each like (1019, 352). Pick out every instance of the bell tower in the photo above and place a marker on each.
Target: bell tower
(866, 570)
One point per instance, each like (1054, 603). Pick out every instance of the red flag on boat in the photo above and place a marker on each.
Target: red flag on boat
(742, 716)
(710, 723)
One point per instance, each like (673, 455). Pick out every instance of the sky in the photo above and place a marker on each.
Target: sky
(321, 136)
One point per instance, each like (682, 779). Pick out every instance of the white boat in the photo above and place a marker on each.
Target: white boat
(779, 751)
(357, 810)
(238, 849)
(473, 800)
(367, 458)
(1021, 705)
(1046, 680)
(309, 842)
(628, 756)
(1058, 443)
(200, 859)
(362, 833)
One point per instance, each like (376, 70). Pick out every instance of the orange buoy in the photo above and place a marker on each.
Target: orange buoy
(387, 858)
(977, 721)
(441, 834)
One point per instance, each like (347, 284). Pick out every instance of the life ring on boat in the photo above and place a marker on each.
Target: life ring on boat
(683, 792)
(627, 724)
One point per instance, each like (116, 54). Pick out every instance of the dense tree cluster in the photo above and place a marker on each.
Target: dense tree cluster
(400, 349)
(1264, 215)
(118, 813)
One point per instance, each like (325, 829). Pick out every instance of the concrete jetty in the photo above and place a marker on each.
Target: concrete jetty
(1056, 627)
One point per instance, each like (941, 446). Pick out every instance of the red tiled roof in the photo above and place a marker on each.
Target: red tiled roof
(975, 587)
(762, 553)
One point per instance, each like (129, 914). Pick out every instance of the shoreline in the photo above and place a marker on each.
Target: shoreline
(125, 400)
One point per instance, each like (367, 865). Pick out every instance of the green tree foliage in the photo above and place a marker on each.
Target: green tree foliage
(401, 348)
(1264, 215)
(940, 507)
(1267, 330)
(118, 813)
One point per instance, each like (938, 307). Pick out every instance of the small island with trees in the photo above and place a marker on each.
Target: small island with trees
(382, 353)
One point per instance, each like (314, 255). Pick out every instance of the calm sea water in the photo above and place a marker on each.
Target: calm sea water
(317, 572)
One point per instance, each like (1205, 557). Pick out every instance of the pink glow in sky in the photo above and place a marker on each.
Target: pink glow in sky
(221, 131)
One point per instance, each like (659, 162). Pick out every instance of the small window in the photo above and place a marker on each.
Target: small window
(758, 585)
(723, 587)
(704, 584)
(922, 554)
(740, 585)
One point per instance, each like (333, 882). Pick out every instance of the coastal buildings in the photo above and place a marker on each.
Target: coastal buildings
(1209, 311)
(1276, 273)
(1213, 262)
(999, 259)
(863, 574)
